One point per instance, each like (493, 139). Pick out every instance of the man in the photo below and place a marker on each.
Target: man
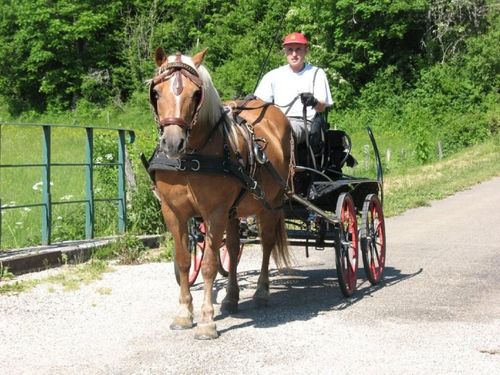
(296, 84)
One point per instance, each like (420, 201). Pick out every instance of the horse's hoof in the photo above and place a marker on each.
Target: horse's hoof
(260, 302)
(261, 297)
(229, 307)
(180, 323)
(207, 331)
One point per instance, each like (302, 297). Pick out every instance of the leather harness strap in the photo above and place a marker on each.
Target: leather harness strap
(197, 163)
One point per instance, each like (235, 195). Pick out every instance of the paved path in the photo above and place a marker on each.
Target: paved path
(438, 311)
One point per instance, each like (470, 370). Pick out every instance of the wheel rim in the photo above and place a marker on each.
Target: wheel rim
(196, 248)
(373, 239)
(347, 258)
(225, 260)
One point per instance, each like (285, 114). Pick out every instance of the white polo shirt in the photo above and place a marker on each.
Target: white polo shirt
(282, 85)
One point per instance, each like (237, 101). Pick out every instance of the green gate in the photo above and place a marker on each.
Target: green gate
(47, 203)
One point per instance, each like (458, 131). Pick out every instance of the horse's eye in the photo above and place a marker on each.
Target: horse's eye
(197, 95)
(156, 94)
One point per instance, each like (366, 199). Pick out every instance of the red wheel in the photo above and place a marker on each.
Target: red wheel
(223, 261)
(346, 248)
(196, 246)
(373, 238)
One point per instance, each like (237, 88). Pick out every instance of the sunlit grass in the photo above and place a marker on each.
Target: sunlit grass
(419, 185)
(73, 277)
(69, 278)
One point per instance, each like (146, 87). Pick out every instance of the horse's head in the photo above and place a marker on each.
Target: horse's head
(177, 95)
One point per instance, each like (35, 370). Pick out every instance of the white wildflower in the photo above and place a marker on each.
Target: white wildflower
(27, 209)
(98, 160)
(39, 184)
(109, 156)
(59, 218)
(66, 197)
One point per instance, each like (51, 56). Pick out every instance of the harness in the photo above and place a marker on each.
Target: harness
(231, 162)
(176, 69)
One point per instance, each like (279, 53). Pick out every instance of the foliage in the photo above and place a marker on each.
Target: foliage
(128, 249)
(55, 53)
(5, 273)
(144, 212)
(418, 72)
(450, 23)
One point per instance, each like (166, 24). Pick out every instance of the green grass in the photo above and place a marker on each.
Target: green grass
(69, 278)
(86, 273)
(127, 250)
(407, 183)
(417, 186)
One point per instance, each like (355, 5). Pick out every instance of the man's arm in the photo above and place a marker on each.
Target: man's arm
(264, 90)
(322, 92)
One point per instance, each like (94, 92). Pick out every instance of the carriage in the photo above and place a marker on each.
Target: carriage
(215, 164)
(335, 210)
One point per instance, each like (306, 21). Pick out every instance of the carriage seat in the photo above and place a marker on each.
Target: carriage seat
(337, 150)
(331, 152)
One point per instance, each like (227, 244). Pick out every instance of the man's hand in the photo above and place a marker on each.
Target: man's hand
(308, 99)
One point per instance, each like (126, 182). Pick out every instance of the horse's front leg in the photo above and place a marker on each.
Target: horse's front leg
(183, 319)
(206, 328)
(230, 302)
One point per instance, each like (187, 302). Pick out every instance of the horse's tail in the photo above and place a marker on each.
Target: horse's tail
(280, 252)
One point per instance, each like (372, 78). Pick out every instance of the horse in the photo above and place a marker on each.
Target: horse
(196, 129)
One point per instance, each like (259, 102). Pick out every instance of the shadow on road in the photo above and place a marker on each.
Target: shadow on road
(302, 294)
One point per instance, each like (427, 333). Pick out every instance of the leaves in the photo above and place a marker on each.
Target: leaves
(51, 51)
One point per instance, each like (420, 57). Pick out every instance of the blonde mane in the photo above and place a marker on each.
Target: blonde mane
(212, 107)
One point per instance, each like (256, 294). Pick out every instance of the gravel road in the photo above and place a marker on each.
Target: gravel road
(438, 311)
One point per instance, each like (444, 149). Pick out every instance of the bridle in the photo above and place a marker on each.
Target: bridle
(176, 69)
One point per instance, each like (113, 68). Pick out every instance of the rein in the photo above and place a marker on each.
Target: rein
(194, 162)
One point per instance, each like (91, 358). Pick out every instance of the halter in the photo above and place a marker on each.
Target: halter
(176, 69)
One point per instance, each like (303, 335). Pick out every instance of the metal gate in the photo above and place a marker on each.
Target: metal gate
(47, 203)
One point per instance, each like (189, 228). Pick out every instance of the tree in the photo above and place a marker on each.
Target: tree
(450, 22)
(54, 52)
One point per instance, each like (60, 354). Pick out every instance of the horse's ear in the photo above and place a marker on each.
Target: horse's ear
(160, 56)
(198, 58)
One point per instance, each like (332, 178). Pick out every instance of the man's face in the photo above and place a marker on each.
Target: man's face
(295, 55)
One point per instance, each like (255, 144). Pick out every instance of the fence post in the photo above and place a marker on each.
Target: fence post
(89, 184)
(122, 201)
(46, 196)
(440, 150)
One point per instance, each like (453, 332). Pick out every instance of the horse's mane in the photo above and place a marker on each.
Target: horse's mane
(211, 109)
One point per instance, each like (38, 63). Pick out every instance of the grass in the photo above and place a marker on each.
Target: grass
(407, 183)
(68, 277)
(418, 186)
(72, 277)
(404, 188)
(126, 250)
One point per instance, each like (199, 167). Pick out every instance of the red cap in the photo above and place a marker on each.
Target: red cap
(295, 38)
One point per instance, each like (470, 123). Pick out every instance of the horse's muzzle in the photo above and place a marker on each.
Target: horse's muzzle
(173, 140)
